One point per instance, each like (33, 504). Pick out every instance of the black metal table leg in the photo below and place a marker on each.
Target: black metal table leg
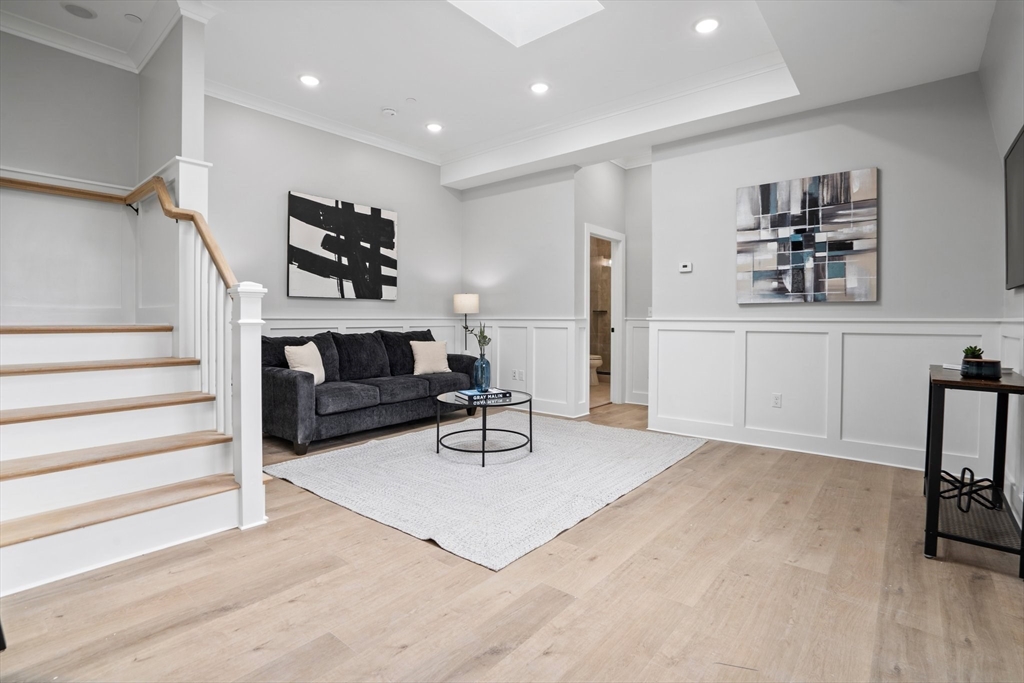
(927, 441)
(936, 414)
(999, 452)
(438, 444)
(531, 425)
(483, 442)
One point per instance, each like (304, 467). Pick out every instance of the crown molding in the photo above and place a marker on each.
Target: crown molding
(55, 38)
(283, 111)
(157, 25)
(626, 163)
(198, 10)
(155, 29)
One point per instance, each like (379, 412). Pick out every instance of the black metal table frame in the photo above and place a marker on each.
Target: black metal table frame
(933, 468)
(483, 430)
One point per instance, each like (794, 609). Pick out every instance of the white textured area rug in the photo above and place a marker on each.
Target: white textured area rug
(489, 515)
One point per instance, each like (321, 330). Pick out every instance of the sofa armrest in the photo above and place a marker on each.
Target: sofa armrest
(458, 362)
(289, 404)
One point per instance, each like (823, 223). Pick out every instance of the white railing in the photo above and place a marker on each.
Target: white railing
(218, 320)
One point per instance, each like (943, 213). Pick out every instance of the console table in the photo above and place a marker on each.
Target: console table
(995, 528)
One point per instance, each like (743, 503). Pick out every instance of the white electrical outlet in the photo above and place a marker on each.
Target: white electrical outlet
(686, 267)
(518, 375)
(776, 400)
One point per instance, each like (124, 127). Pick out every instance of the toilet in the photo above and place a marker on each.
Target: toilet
(595, 363)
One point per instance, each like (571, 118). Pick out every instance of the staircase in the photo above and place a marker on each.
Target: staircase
(112, 445)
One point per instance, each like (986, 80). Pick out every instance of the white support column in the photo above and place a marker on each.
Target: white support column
(247, 401)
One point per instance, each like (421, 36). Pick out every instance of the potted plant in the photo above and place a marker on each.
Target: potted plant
(974, 366)
(482, 367)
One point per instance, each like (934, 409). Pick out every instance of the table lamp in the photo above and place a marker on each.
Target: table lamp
(466, 304)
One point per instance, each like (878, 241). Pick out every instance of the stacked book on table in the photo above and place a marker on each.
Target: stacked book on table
(490, 397)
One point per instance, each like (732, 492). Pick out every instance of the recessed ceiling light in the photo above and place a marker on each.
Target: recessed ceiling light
(706, 25)
(539, 88)
(79, 11)
(311, 81)
(435, 127)
(133, 18)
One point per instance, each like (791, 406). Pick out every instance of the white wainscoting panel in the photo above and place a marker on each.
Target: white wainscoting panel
(637, 361)
(794, 364)
(65, 260)
(511, 356)
(885, 391)
(1011, 337)
(695, 370)
(854, 389)
(551, 373)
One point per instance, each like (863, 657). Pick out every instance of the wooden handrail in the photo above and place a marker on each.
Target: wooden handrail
(154, 185)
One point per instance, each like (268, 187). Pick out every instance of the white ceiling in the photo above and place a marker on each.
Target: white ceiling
(628, 77)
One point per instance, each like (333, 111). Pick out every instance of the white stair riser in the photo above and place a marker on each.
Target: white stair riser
(51, 436)
(16, 349)
(41, 493)
(28, 391)
(50, 558)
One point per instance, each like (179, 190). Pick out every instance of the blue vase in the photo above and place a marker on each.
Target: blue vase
(482, 373)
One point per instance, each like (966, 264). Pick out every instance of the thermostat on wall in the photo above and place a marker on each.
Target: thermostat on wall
(686, 267)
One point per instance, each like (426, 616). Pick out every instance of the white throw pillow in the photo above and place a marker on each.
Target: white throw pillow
(306, 358)
(430, 357)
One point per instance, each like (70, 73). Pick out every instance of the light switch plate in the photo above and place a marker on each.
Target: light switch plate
(686, 267)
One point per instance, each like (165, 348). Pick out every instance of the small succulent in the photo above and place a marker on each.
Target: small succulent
(482, 339)
(973, 352)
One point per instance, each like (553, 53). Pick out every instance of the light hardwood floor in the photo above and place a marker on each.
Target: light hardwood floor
(737, 564)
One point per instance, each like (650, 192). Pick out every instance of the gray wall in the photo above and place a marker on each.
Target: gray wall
(160, 110)
(638, 241)
(65, 115)
(599, 199)
(940, 224)
(257, 159)
(518, 246)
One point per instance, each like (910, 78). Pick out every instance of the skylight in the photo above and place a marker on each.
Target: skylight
(523, 21)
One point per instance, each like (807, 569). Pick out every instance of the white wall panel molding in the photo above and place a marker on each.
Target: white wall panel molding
(1011, 353)
(853, 389)
(637, 360)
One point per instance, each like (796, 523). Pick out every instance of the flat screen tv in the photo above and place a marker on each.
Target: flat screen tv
(1014, 169)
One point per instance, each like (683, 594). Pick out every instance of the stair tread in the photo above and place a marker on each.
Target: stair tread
(97, 455)
(16, 415)
(58, 521)
(81, 329)
(94, 365)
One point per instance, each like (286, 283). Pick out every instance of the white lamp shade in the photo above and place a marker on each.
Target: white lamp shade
(467, 303)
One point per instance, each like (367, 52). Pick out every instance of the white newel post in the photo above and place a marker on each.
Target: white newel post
(247, 401)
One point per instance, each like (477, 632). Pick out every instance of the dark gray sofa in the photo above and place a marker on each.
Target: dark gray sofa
(368, 384)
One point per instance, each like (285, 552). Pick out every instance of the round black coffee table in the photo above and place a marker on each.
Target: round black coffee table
(517, 398)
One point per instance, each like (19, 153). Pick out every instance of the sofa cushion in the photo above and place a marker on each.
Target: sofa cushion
(398, 389)
(338, 397)
(443, 382)
(400, 358)
(360, 356)
(273, 352)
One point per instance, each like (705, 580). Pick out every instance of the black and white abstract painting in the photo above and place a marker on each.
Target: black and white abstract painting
(340, 250)
(808, 240)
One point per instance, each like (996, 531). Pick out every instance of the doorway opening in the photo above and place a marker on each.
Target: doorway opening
(600, 321)
(605, 302)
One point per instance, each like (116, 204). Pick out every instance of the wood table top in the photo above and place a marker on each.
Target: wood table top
(1010, 382)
